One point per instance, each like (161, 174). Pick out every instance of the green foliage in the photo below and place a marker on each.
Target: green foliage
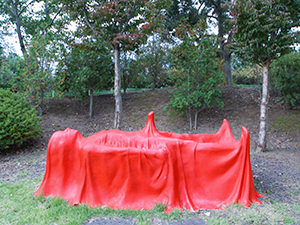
(153, 59)
(285, 77)
(87, 66)
(249, 74)
(182, 12)
(9, 67)
(197, 74)
(263, 28)
(132, 73)
(124, 23)
(35, 79)
(18, 120)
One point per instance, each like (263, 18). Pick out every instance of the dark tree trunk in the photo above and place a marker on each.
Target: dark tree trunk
(125, 81)
(117, 87)
(154, 81)
(227, 67)
(225, 55)
(20, 36)
(91, 111)
(15, 14)
(40, 104)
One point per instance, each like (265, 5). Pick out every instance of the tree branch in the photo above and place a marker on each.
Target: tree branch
(89, 25)
(52, 21)
(212, 17)
(21, 11)
(10, 7)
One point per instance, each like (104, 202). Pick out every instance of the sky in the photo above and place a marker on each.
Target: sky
(11, 44)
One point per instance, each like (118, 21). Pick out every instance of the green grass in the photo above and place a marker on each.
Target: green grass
(269, 213)
(287, 123)
(249, 85)
(109, 92)
(19, 206)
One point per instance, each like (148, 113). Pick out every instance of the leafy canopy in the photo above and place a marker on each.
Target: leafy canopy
(285, 75)
(264, 28)
(197, 73)
(86, 66)
(124, 23)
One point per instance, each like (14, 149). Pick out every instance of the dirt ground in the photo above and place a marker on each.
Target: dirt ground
(276, 171)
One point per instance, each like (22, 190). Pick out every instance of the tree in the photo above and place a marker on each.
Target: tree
(133, 73)
(198, 76)
(285, 77)
(23, 14)
(219, 10)
(35, 79)
(125, 23)
(153, 59)
(13, 12)
(86, 68)
(187, 12)
(9, 67)
(183, 12)
(263, 32)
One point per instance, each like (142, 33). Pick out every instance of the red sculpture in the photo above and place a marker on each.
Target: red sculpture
(138, 169)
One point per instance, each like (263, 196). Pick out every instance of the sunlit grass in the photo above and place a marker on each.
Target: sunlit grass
(19, 206)
(270, 212)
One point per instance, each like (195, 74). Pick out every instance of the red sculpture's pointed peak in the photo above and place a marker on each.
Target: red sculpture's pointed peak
(225, 131)
(224, 127)
(244, 134)
(150, 127)
(150, 115)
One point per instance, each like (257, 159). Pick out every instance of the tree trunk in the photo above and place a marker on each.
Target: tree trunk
(91, 111)
(227, 67)
(196, 120)
(117, 86)
(124, 83)
(41, 104)
(154, 81)
(18, 26)
(21, 41)
(190, 119)
(224, 54)
(261, 145)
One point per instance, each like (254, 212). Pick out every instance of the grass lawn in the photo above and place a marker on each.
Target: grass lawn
(19, 206)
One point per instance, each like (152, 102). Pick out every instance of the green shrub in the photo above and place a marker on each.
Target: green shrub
(198, 78)
(19, 122)
(285, 77)
(247, 75)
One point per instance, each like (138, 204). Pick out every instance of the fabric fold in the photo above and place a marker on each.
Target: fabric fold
(136, 170)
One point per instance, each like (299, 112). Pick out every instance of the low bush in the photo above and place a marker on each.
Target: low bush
(285, 77)
(19, 122)
(248, 75)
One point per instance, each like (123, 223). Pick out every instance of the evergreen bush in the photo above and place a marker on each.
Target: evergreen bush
(19, 122)
(285, 77)
(248, 75)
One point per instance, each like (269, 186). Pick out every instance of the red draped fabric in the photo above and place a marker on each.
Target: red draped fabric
(138, 169)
